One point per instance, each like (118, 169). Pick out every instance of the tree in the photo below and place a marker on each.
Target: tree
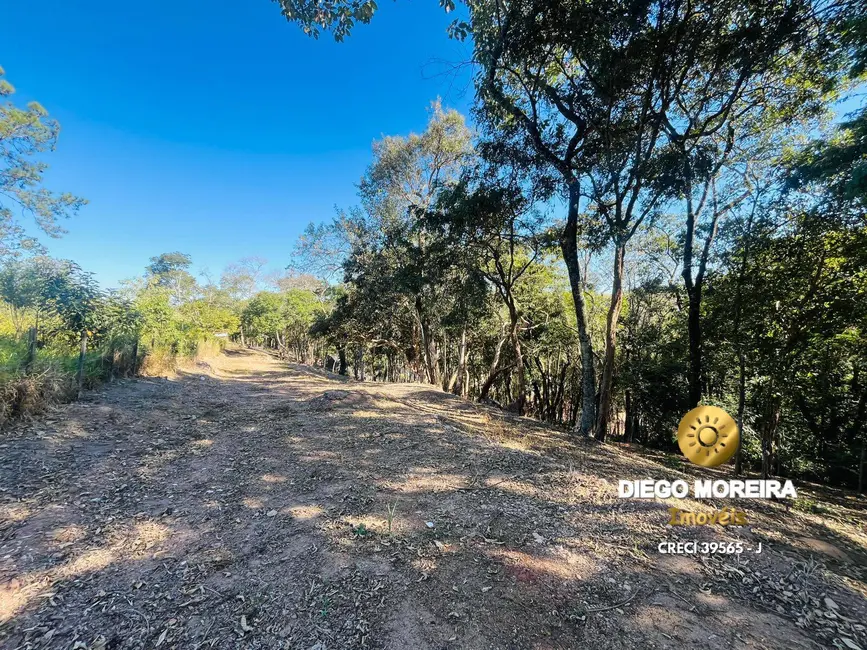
(800, 331)
(664, 130)
(630, 104)
(24, 134)
(765, 75)
(497, 232)
(263, 316)
(76, 299)
(323, 248)
(536, 118)
(383, 245)
(404, 181)
(301, 308)
(22, 288)
(171, 271)
(631, 97)
(242, 279)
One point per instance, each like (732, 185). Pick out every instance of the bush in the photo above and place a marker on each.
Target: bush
(25, 395)
(161, 360)
(51, 378)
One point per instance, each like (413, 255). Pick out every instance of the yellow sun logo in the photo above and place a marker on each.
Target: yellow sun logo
(708, 436)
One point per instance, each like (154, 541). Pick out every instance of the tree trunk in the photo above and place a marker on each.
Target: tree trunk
(243, 342)
(739, 344)
(695, 344)
(341, 354)
(81, 354)
(569, 247)
(494, 370)
(693, 293)
(356, 363)
(459, 385)
(428, 345)
(629, 424)
(610, 344)
(861, 465)
(742, 400)
(543, 394)
(769, 431)
(446, 383)
(559, 396)
(135, 358)
(520, 388)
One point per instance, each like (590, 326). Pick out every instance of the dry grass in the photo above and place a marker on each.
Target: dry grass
(23, 396)
(161, 362)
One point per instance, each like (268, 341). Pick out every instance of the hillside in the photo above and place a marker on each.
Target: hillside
(248, 503)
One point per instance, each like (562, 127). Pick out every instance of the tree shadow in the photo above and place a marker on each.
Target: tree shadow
(250, 509)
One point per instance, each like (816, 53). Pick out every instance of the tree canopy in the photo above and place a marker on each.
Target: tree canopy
(25, 133)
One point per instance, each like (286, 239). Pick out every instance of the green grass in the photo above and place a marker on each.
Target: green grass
(360, 530)
(805, 504)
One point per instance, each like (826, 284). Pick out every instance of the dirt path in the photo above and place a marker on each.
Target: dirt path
(246, 504)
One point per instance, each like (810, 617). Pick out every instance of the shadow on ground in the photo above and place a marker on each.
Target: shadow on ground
(248, 503)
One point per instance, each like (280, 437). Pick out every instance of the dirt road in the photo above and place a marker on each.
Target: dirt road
(252, 504)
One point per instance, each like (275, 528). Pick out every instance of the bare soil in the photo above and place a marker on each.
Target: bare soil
(249, 503)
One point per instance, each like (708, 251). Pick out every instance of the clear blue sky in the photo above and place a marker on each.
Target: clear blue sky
(215, 127)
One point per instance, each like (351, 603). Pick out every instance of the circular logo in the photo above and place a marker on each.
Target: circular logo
(708, 436)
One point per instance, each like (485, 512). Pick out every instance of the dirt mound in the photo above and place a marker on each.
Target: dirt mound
(338, 399)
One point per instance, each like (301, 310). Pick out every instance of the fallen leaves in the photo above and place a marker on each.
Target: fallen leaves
(245, 627)
(798, 595)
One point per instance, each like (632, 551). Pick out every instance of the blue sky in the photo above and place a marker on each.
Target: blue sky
(215, 127)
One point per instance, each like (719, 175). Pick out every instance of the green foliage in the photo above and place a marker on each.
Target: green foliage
(23, 285)
(837, 166)
(284, 320)
(59, 305)
(360, 530)
(667, 124)
(338, 16)
(805, 504)
(75, 298)
(178, 315)
(673, 133)
(397, 265)
(171, 271)
(25, 133)
(264, 315)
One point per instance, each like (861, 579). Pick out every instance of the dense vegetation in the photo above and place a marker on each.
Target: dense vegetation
(655, 208)
(642, 223)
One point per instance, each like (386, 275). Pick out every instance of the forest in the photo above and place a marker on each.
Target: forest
(652, 205)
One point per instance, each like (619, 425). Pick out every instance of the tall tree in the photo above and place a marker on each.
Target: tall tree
(492, 224)
(733, 78)
(385, 232)
(77, 300)
(25, 133)
(171, 271)
(241, 279)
